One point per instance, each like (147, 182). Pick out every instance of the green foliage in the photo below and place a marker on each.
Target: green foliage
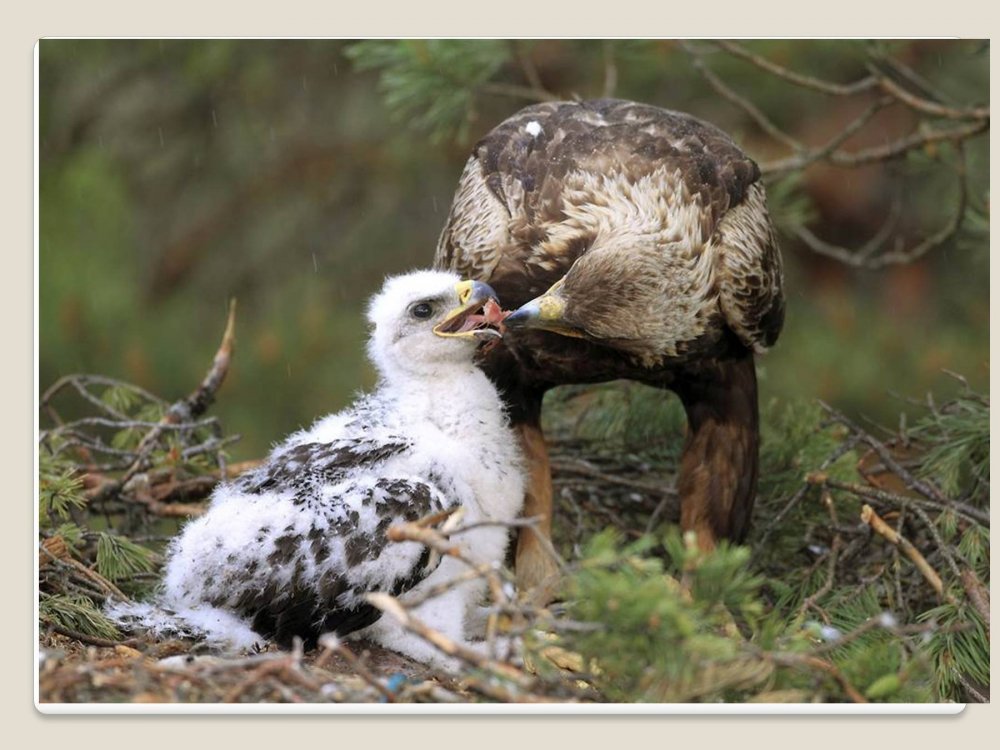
(59, 489)
(76, 613)
(121, 398)
(880, 659)
(958, 436)
(963, 653)
(118, 557)
(637, 417)
(722, 578)
(72, 533)
(795, 439)
(974, 546)
(655, 639)
(667, 633)
(75, 579)
(431, 84)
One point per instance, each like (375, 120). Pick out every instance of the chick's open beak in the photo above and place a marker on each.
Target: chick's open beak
(546, 313)
(477, 310)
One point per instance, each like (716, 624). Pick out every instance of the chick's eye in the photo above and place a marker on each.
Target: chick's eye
(421, 310)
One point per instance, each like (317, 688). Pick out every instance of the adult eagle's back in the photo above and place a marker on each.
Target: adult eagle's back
(542, 186)
(637, 243)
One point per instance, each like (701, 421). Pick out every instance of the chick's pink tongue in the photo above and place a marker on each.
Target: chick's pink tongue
(471, 322)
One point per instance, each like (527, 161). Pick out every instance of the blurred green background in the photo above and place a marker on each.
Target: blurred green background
(294, 175)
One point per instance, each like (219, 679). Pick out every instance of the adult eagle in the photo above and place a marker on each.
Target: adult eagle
(636, 243)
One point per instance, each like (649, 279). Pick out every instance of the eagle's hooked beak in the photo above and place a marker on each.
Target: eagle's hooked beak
(546, 313)
(470, 319)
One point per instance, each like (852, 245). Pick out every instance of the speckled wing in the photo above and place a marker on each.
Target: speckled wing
(514, 220)
(749, 272)
(305, 466)
(307, 571)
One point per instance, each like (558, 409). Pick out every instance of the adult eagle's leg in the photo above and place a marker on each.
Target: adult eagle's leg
(717, 482)
(536, 571)
(533, 564)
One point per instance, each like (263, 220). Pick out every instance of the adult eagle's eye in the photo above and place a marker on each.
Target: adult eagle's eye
(422, 310)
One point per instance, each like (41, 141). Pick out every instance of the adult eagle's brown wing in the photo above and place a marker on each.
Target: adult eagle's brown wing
(512, 219)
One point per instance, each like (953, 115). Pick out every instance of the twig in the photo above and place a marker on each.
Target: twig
(975, 693)
(256, 676)
(900, 630)
(904, 71)
(925, 105)
(978, 594)
(806, 157)
(879, 526)
(437, 542)
(928, 491)
(202, 397)
(814, 662)
(961, 509)
(410, 532)
(799, 79)
(102, 583)
(902, 146)
(91, 640)
(335, 645)
(185, 410)
(834, 554)
(794, 500)
(77, 380)
(897, 257)
(126, 423)
(943, 548)
(875, 79)
(972, 122)
(746, 105)
(584, 469)
(446, 645)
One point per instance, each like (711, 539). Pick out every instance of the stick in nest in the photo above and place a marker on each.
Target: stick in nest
(390, 605)
(880, 527)
(184, 410)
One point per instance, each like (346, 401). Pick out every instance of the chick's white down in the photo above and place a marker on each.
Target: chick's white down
(292, 547)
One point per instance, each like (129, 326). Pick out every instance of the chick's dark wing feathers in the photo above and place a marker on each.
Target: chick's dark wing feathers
(313, 577)
(302, 464)
(326, 572)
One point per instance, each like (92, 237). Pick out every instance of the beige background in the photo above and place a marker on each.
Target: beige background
(974, 729)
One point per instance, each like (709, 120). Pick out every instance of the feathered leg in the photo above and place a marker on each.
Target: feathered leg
(717, 481)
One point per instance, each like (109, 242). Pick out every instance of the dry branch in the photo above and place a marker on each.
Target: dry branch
(973, 121)
(181, 415)
(799, 79)
(879, 526)
(391, 606)
(978, 594)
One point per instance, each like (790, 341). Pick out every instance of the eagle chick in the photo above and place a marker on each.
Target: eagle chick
(293, 547)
